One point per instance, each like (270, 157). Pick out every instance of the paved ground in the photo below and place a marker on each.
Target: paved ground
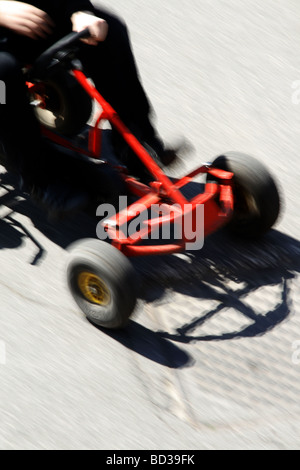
(211, 359)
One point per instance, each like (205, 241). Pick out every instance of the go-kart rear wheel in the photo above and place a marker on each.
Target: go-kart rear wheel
(67, 106)
(103, 283)
(256, 197)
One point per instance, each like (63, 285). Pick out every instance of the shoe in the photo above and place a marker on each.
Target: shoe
(163, 156)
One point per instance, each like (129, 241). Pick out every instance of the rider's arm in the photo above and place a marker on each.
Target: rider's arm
(81, 13)
(37, 18)
(73, 6)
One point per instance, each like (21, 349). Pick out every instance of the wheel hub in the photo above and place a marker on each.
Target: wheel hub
(93, 288)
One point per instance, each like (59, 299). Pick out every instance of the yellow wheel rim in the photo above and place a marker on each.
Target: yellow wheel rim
(93, 288)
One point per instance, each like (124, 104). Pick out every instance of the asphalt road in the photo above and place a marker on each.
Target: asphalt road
(211, 358)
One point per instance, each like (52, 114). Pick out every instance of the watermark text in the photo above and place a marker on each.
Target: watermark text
(2, 92)
(296, 94)
(296, 353)
(157, 222)
(2, 353)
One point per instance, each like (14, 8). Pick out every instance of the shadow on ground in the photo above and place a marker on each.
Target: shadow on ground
(151, 345)
(225, 272)
(204, 275)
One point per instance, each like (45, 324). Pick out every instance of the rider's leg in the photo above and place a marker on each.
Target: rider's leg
(19, 131)
(23, 149)
(112, 66)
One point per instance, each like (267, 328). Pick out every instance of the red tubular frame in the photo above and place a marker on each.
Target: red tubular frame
(217, 197)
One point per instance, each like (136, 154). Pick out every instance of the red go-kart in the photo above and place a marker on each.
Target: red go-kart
(239, 192)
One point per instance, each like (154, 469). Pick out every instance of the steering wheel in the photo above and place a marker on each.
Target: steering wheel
(66, 106)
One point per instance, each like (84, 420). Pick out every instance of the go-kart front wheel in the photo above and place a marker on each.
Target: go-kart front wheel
(256, 197)
(103, 283)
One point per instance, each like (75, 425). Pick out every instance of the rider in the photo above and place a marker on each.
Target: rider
(26, 30)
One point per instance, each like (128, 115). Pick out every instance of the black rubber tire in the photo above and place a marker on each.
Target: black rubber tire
(115, 271)
(68, 106)
(256, 196)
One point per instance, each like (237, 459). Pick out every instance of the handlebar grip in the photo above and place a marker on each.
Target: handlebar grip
(67, 42)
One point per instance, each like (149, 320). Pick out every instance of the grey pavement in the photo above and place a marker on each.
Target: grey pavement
(211, 358)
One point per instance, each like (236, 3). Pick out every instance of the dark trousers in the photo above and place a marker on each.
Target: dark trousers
(111, 65)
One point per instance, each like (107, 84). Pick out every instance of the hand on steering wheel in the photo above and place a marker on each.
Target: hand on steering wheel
(97, 26)
(25, 19)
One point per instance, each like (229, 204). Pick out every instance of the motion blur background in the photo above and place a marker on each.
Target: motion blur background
(211, 359)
